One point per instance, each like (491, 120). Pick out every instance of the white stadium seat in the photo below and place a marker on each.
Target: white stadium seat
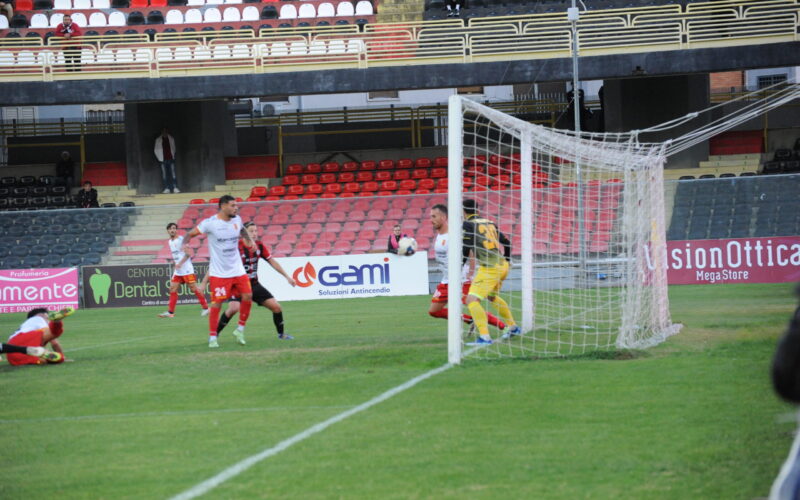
(212, 15)
(55, 19)
(193, 16)
(183, 54)
(87, 56)
(317, 47)
(306, 11)
(97, 19)
(59, 57)
(174, 16)
(116, 18)
(26, 58)
(250, 13)
(62, 5)
(196, 3)
(222, 52)
(101, 4)
(124, 56)
(261, 50)
(164, 54)
(3, 22)
(214, 2)
(279, 49)
(288, 12)
(336, 47)
(202, 52)
(6, 59)
(233, 1)
(345, 9)
(241, 50)
(81, 4)
(326, 9)
(298, 48)
(105, 56)
(355, 46)
(142, 54)
(37, 21)
(364, 8)
(79, 18)
(231, 14)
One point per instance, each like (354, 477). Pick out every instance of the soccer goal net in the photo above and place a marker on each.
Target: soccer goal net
(584, 215)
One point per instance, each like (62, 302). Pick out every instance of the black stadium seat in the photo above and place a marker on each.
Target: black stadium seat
(12, 263)
(18, 21)
(269, 12)
(8, 182)
(120, 4)
(51, 261)
(19, 251)
(27, 180)
(40, 250)
(135, 18)
(155, 17)
(187, 29)
(176, 3)
(91, 259)
(80, 248)
(72, 259)
(13, 34)
(42, 4)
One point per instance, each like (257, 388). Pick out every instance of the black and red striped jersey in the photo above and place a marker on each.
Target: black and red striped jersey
(250, 257)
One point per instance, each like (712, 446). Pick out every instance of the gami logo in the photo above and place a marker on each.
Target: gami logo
(371, 274)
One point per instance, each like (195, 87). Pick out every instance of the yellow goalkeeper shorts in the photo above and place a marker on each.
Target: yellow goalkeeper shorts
(489, 280)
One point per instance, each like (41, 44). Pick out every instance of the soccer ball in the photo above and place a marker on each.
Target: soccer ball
(406, 246)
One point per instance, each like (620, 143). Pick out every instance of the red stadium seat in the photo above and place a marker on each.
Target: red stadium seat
(380, 205)
(370, 186)
(385, 193)
(280, 219)
(253, 198)
(400, 175)
(258, 191)
(313, 168)
(213, 200)
(400, 203)
(327, 178)
(366, 194)
(362, 246)
(386, 165)
(185, 223)
(23, 5)
(350, 166)
(315, 189)
(351, 226)
(328, 196)
(368, 165)
(294, 168)
(139, 4)
(467, 182)
(282, 249)
(362, 205)
(296, 190)
(383, 176)
(309, 237)
(408, 184)
(334, 188)
(288, 180)
(342, 246)
(405, 163)
(364, 176)
(239, 199)
(375, 215)
(197, 201)
(422, 163)
(314, 227)
(321, 248)
(352, 187)
(370, 225)
(309, 196)
(329, 236)
(337, 216)
(493, 170)
(440, 191)
(442, 183)
(332, 227)
(426, 184)
(437, 173)
(158, 3)
(346, 177)
(389, 186)
(272, 198)
(422, 191)
(331, 166)
(309, 179)
(356, 215)
(319, 217)
(482, 180)
(347, 195)
(395, 213)
(419, 173)
(440, 161)
(302, 248)
(366, 234)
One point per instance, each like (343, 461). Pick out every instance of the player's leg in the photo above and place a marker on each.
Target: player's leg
(220, 290)
(501, 306)
(233, 308)
(491, 318)
(438, 308)
(199, 294)
(173, 297)
(32, 339)
(30, 351)
(481, 286)
(241, 285)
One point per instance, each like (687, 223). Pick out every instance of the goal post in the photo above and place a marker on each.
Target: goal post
(585, 217)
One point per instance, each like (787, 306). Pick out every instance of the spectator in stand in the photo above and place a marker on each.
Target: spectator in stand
(165, 154)
(6, 9)
(394, 239)
(65, 169)
(87, 197)
(70, 31)
(454, 8)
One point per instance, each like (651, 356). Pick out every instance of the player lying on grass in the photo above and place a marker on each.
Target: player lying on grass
(438, 307)
(40, 329)
(183, 273)
(492, 252)
(227, 276)
(251, 250)
(30, 351)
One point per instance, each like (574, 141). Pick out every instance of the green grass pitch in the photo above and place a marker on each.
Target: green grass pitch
(146, 410)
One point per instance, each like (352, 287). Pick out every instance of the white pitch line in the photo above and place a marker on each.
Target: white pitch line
(167, 413)
(236, 469)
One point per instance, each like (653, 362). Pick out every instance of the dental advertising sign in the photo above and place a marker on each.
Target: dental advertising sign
(348, 276)
(25, 289)
(743, 260)
(134, 285)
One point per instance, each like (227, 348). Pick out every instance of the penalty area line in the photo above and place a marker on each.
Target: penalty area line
(236, 469)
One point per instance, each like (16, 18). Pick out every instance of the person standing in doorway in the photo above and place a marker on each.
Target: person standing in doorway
(165, 154)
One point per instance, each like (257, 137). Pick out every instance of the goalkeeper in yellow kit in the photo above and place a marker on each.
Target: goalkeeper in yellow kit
(492, 251)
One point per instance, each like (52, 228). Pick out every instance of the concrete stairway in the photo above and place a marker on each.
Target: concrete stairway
(719, 164)
(396, 11)
(239, 188)
(145, 237)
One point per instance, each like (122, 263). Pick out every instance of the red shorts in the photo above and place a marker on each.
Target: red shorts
(28, 339)
(440, 295)
(222, 288)
(188, 278)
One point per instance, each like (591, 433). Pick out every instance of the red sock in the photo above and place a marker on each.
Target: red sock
(466, 318)
(56, 327)
(173, 299)
(442, 313)
(244, 311)
(495, 321)
(202, 297)
(213, 319)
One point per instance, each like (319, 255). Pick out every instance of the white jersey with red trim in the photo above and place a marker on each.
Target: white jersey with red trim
(223, 245)
(176, 248)
(440, 247)
(33, 323)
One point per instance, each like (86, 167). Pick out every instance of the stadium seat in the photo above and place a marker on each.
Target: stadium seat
(306, 11)
(386, 165)
(345, 9)
(350, 166)
(368, 165)
(346, 177)
(383, 175)
(288, 11)
(326, 9)
(212, 15)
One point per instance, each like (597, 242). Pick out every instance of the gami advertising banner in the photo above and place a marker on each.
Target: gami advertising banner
(744, 260)
(134, 285)
(24, 289)
(348, 276)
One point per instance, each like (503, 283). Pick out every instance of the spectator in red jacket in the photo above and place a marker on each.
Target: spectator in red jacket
(70, 31)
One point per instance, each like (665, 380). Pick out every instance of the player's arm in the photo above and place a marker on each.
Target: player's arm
(467, 240)
(56, 346)
(277, 266)
(188, 236)
(506, 245)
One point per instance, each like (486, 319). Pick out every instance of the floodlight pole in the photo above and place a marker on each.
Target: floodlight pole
(573, 15)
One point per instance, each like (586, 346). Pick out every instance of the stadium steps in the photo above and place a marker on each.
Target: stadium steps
(241, 187)
(394, 11)
(146, 236)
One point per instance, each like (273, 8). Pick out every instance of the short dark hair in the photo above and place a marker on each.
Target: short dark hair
(470, 206)
(37, 310)
(172, 224)
(226, 199)
(248, 224)
(440, 207)
(87, 182)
